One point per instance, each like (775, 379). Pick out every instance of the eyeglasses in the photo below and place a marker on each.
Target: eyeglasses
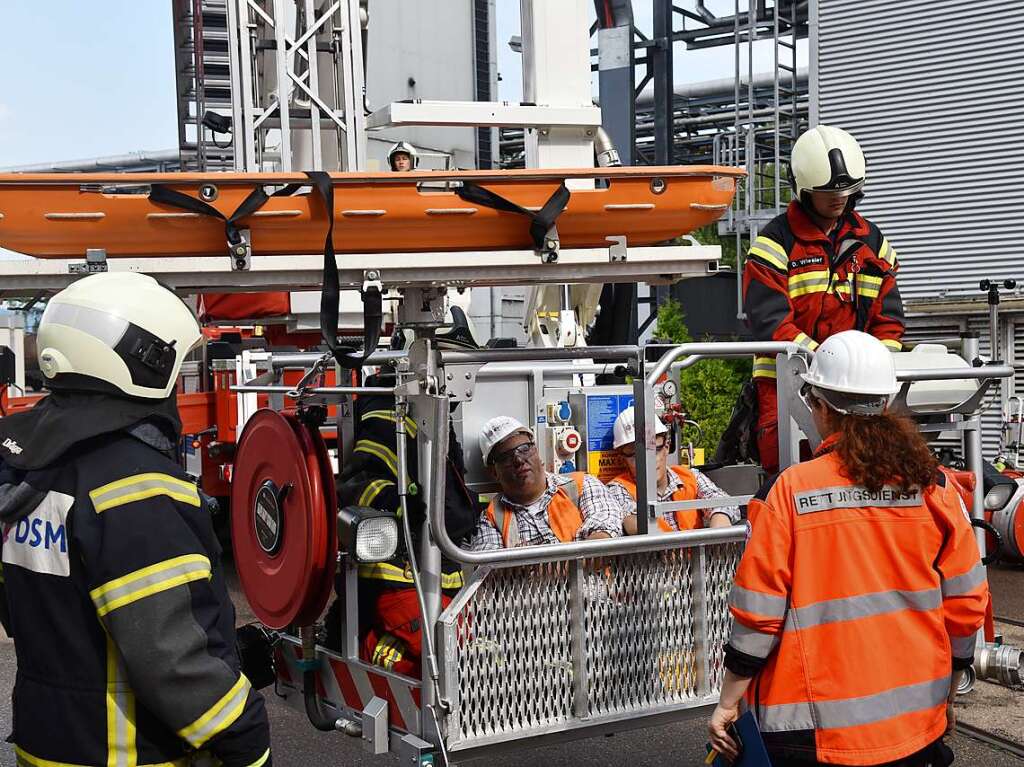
(523, 452)
(629, 451)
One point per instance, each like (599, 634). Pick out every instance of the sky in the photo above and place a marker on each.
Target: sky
(90, 78)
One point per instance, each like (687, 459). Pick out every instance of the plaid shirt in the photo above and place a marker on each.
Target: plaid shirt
(600, 509)
(705, 489)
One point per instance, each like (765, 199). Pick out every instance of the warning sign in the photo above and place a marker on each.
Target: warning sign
(602, 410)
(606, 465)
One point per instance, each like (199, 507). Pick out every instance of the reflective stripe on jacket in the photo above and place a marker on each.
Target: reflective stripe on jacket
(802, 285)
(851, 606)
(564, 515)
(686, 519)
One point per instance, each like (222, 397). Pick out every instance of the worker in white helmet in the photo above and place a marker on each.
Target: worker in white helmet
(534, 506)
(402, 157)
(675, 483)
(818, 269)
(112, 581)
(860, 594)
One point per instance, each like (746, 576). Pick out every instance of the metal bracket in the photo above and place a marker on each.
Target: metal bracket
(371, 279)
(460, 381)
(95, 262)
(617, 253)
(375, 726)
(241, 252)
(549, 253)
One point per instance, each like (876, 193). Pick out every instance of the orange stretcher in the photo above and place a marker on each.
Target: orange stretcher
(60, 215)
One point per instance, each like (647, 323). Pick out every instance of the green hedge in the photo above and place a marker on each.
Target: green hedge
(709, 389)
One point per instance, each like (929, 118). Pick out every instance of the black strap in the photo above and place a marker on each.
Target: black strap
(541, 221)
(256, 199)
(373, 314)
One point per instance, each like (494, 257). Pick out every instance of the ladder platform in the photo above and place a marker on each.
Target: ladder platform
(617, 263)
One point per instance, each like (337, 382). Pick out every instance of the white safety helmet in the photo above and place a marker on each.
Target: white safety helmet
(499, 428)
(116, 332)
(624, 428)
(826, 159)
(853, 373)
(406, 148)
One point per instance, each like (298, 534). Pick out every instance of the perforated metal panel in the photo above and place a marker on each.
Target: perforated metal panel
(933, 93)
(553, 647)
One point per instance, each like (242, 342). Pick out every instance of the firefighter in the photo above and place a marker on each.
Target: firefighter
(535, 506)
(860, 592)
(818, 269)
(402, 157)
(675, 483)
(113, 587)
(388, 607)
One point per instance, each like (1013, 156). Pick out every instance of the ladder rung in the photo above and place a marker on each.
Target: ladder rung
(784, 44)
(787, 69)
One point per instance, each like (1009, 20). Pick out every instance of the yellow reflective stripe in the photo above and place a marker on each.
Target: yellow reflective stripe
(808, 289)
(261, 761)
(377, 450)
(141, 486)
(806, 341)
(389, 415)
(767, 256)
(372, 490)
(892, 344)
(384, 571)
(25, 759)
(220, 715)
(148, 581)
(120, 713)
(812, 276)
(868, 279)
(770, 251)
(867, 292)
(764, 367)
(887, 253)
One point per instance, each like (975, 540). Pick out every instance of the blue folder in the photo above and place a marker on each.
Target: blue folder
(752, 750)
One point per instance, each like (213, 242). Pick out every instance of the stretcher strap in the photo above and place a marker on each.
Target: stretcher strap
(256, 199)
(373, 314)
(541, 221)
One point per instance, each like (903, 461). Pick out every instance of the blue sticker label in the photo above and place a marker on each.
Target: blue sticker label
(602, 410)
(542, 419)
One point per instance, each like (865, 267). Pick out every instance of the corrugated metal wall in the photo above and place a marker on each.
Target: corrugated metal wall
(933, 91)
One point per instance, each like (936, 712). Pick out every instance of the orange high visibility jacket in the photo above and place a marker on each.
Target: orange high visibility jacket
(803, 285)
(686, 519)
(564, 515)
(851, 607)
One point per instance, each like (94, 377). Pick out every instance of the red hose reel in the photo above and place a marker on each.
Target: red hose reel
(283, 519)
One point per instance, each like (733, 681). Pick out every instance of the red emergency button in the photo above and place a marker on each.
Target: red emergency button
(572, 441)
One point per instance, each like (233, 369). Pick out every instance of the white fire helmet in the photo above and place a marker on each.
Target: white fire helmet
(116, 332)
(499, 428)
(826, 159)
(406, 148)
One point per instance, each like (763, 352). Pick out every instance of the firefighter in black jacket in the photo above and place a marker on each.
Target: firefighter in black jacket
(389, 614)
(113, 590)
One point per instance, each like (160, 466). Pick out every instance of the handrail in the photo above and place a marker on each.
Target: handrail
(533, 355)
(526, 555)
(322, 390)
(723, 349)
(953, 374)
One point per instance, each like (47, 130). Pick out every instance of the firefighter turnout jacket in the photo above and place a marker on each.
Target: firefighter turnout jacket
(803, 285)
(851, 608)
(121, 619)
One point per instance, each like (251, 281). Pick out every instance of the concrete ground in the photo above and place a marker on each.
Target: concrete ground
(297, 744)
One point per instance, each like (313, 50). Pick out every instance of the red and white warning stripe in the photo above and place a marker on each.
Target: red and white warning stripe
(354, 684)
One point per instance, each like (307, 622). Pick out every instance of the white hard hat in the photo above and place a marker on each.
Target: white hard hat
(624, 428)
(827, 159)
(499, 428)
(853, 372)
(120, 332)
(403, 147)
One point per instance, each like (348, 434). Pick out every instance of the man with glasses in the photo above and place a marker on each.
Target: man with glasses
(534, 506)
(818, 269)
(675, 483)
